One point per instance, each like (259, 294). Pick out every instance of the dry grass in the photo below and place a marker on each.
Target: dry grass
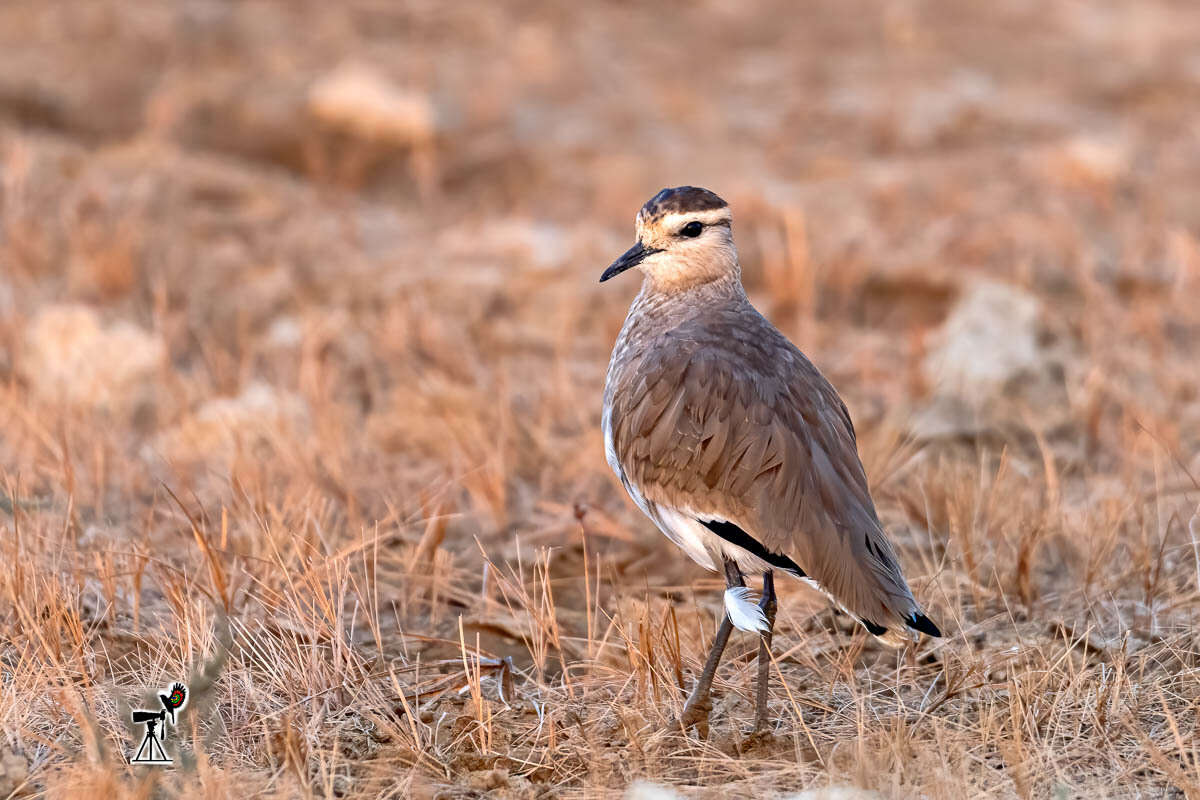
(313, 419)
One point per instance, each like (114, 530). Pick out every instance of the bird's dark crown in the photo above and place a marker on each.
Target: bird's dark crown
(680, 200)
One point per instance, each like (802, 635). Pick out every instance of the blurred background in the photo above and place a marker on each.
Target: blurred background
(310, 289)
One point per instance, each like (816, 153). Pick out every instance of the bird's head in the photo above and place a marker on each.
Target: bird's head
(683, 240)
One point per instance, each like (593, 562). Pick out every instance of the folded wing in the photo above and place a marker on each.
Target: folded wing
(728, 418)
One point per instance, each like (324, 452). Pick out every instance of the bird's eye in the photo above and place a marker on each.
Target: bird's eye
(691, 230)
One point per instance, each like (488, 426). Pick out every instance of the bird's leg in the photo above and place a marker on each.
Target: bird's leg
(769, 606)
(699, 704)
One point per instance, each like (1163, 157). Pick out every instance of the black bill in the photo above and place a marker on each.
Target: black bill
(631, 258)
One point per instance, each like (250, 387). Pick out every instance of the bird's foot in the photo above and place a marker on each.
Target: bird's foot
(695, 715)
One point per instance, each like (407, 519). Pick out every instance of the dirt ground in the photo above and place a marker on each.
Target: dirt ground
(301, 355)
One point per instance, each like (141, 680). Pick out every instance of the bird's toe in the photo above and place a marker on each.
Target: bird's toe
(694, 715)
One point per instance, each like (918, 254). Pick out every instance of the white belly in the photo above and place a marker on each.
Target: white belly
(691, 537)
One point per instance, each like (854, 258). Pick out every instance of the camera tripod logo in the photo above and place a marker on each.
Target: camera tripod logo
(151, 750)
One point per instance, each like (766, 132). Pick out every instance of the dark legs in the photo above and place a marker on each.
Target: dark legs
(769, 606)
(699, 704)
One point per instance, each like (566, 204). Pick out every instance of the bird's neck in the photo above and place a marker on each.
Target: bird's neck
(670, 298)
(656, 309)
(712, 270)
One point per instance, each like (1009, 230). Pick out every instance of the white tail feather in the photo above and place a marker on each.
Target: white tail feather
(743, 612)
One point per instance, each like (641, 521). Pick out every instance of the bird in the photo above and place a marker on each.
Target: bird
(736, 446)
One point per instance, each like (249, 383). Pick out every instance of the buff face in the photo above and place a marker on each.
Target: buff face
(684, 237)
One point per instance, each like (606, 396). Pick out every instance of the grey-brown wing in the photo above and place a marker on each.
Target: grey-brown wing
(727, 418)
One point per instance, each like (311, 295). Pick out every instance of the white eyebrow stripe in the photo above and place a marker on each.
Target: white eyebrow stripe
(677, 219)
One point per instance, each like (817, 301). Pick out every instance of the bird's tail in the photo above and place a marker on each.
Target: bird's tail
(897, 636)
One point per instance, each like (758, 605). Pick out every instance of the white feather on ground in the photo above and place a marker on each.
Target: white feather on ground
(743, 612)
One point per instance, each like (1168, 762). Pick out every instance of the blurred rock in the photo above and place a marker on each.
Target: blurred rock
(989, 366)
(1100, 159)
(214, 433)
(285, 333)
(989, 338)
(1089, 161)
(360, 101)
(70, 355)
